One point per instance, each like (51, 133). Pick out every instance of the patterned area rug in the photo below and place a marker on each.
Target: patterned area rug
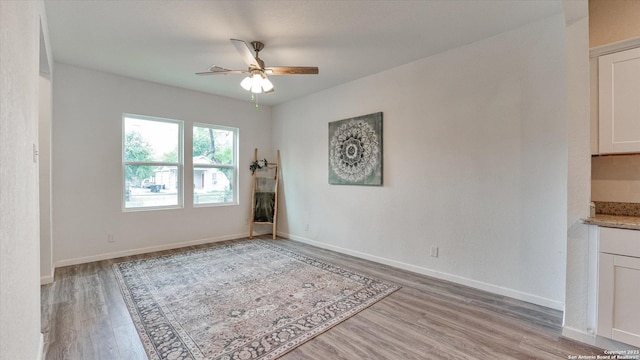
(246, 300)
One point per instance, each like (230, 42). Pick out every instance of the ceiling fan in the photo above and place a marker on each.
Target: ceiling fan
(257, 81)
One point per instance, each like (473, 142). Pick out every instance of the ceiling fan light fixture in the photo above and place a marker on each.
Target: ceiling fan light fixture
(246, 83)
(256, 82)
(266, 85)
(256, 89)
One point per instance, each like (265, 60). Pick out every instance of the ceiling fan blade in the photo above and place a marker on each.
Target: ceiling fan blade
(215, 70)
(245, 52)
(225, 72)
(291, 70)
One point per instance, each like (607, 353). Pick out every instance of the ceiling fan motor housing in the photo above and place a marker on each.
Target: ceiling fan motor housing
(257, 46)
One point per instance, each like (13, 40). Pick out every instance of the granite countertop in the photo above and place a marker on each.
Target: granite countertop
(616, 215)
(615, 221)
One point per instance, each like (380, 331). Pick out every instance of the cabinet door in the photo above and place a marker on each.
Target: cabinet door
(619, 102)
(619, 298)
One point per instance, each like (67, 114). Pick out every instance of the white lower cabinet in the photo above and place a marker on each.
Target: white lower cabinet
(619, 285)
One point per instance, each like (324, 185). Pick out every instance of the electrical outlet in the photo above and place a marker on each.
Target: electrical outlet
(306, 227)
(110, 238)
(434, 251)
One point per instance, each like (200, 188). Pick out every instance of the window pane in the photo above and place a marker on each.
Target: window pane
(151, 186)
(212, 146)
(147, 140)
(212, 185)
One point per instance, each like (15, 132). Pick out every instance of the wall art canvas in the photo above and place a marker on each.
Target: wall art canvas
(355, 150)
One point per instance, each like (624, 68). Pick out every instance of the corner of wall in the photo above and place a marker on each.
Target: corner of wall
(45, 43)
(577, 69)
(41, 354)
(575, 10)
(48, 279)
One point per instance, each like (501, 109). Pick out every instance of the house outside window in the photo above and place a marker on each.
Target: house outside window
(215, 153)
(152, 162)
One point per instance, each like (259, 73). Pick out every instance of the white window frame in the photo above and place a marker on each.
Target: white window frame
(234, 166)
(179, 164)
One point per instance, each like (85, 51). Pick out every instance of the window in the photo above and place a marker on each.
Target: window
(152, 162)
(214, 165)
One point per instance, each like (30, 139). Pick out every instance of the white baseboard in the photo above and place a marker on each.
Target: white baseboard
(594, 340)
(41, 355)
(579, 335)
(117, 254)
(47, 279)
(531, 298)
(401, 265)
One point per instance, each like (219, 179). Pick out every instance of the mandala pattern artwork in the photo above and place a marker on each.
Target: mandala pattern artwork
(354, 150)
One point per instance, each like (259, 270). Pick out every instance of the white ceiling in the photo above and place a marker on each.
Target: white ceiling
(168, 41)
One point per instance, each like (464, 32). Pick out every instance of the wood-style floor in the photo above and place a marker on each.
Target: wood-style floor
(84, 317)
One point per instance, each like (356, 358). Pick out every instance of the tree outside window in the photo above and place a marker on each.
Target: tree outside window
(214, 164)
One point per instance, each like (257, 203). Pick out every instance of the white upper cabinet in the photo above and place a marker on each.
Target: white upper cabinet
(619, 102)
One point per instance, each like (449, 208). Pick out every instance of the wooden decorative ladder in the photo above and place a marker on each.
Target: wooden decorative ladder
(264, 195)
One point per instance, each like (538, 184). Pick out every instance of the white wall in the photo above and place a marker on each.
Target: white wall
(45, 121)
(19, 223)
(475, 162)
(44, 147)
(87, 165)
(579, 313)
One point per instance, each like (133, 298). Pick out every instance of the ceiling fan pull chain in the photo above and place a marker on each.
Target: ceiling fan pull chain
(254, 97)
